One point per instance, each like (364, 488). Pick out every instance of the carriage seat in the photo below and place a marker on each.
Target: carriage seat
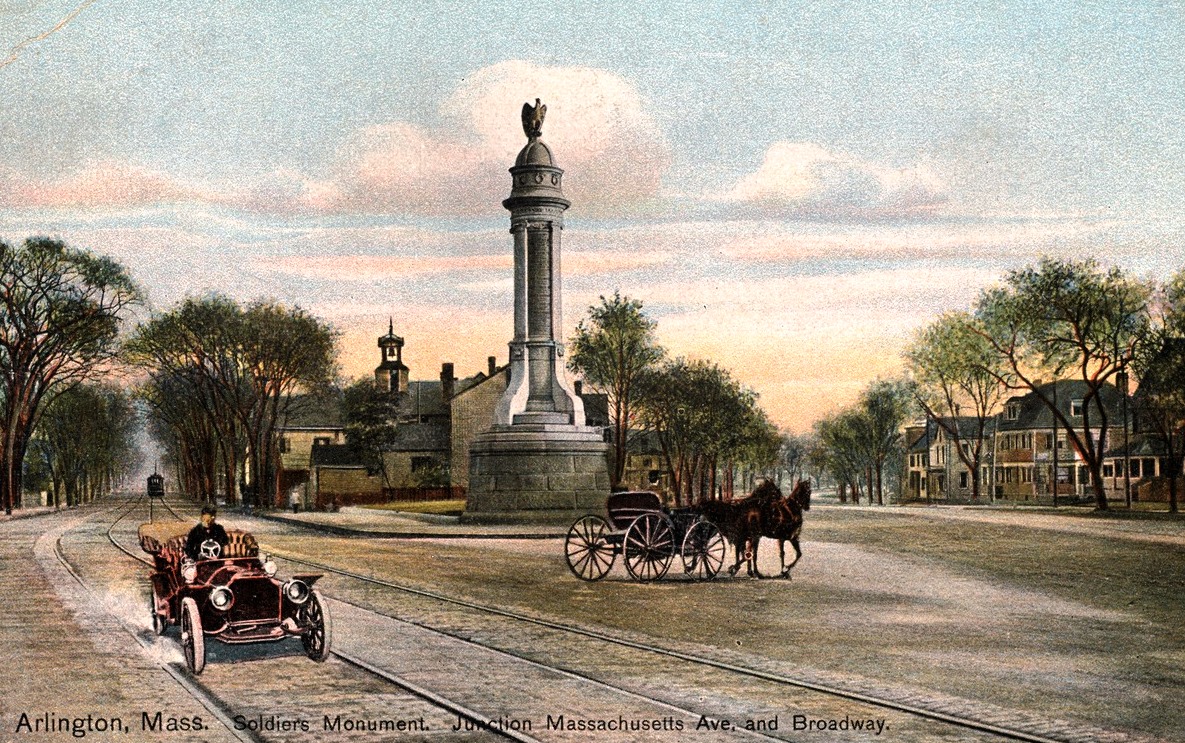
(625, 507)
(241, 544)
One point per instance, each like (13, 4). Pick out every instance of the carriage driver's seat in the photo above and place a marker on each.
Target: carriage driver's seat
(625, 507)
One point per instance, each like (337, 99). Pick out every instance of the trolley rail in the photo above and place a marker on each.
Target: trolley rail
(913, 708)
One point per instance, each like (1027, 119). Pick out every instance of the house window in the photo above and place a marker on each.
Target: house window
(321, 441)
(653, 477)
(1012, 412)
(284, 445)
(962, 479)
(1108, 470)
(1076, 408)
(1135, 468)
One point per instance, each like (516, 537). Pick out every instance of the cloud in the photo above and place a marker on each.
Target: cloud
(1000, 240)
(106, 183)
(370, 268)
(597, 126)
(805, 179)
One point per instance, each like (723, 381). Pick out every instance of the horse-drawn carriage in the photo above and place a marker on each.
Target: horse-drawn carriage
(648, 536)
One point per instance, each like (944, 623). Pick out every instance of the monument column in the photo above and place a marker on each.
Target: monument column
(539, 462)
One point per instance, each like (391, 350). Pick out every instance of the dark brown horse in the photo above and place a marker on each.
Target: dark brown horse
(737, 523)
(781, 519)
(764, 513)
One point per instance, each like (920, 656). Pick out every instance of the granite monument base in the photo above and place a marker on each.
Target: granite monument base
(536, 474)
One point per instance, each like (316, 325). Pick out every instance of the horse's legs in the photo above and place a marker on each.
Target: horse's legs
(782, 557)
(737, 565)
(753, 571)
(797, 556)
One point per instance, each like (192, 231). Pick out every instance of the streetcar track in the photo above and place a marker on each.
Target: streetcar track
(1029, 736)
(461, 710)
(195, 689)
(187, 682)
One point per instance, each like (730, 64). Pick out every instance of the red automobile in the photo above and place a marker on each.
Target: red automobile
(230, 594)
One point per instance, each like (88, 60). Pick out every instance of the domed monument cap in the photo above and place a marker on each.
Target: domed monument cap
(535, 175)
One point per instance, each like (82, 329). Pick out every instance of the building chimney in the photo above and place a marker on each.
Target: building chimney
(579, 385)
(493, 365)
(446, 381)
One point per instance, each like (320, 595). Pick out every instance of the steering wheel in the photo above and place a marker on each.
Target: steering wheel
(210, 550)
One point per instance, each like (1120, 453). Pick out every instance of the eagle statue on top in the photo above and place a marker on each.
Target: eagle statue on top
(533, 119)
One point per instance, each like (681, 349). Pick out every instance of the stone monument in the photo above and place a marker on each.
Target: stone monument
(539, 462)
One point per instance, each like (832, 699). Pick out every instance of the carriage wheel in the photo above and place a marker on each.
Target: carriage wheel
(587, 549)
(193, 641)
(318, 637)
(703, 551)
(649, 547)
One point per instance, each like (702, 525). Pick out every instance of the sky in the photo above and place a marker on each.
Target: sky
(791, 189)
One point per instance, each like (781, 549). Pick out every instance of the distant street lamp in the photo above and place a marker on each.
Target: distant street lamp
(1121, 380)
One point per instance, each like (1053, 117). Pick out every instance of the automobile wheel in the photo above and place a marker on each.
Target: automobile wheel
(193, 641)
(159, 625)
(318, 635)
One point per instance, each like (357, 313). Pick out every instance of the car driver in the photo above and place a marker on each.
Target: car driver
(204, 531)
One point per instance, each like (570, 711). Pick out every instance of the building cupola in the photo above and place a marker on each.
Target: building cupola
(391, 375)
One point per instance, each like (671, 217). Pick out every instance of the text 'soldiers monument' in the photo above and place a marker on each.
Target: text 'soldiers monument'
(539, 462)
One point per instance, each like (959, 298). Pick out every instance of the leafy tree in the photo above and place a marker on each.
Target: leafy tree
(285, 350)
(705, 422)
(958, 373)
(885, 406)
(1160, 364)
(85, 442)
(238, 371)
(1160, 401)
(1067, 317)
(842, 451)
(60, 313)
(612, 348)
(792, 456)
(370, 416)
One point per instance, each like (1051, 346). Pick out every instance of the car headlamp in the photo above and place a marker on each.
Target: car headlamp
(297, 591)
(221, 598)
(189, 571)
(269, 567)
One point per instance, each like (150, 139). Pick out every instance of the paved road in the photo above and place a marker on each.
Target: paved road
(515, 677)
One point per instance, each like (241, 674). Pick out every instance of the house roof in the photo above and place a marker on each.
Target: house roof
(422, 398)
(334, 455)
(315, 411)
(463, 386)
(1035, 414)
(430, 436)
(1139, 445)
